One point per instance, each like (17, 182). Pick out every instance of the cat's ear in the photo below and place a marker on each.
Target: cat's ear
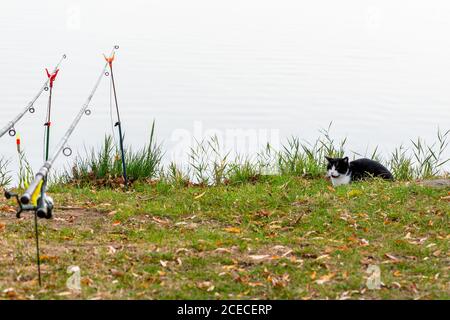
(328, 159)
(345, 159)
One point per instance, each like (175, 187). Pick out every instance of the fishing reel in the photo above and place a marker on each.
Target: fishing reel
(43, 208)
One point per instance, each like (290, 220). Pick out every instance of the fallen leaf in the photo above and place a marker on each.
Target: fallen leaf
(230, 267)
(222, 250)
(397, 273)
(161, 221)
(259, 257)
(287, 253)
(255, 284)
(163, 263)
(182, 250)
(325, 278)
(232, 230)
(279, 281)
(354, 193)
(87, 281)
(111, 250)
(200, 195)
(206, 285)
(46, 258)
(313, 275)
(392, 257)
(363, 243)
(437, 253)
(117, 273)
(10, 293)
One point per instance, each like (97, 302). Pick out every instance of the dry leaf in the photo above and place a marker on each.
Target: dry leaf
(161, 221)
(255, 284)
(185, 250)
(392, 257)
(117, 273)
(206, 285)
(44, 258)
(200, 195)
(232, 230)
(111, 250)
(354, 193)
(325, 278)
(437, 253)
(163, 263)
(397, 273)
(222, 250)
(87, 281)
(259, 257)
(10, 293)
(363, 243)
(279, 281)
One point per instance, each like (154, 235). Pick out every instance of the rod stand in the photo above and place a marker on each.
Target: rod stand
(43, 209)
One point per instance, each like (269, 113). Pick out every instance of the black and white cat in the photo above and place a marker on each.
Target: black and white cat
(341, 171)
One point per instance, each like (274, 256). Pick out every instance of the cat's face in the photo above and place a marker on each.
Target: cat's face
(337, 166)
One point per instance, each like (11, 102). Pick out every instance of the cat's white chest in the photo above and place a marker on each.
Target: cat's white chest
(342, 179)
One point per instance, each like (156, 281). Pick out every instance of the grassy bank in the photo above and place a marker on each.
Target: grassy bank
(210, 164)
(280, 237)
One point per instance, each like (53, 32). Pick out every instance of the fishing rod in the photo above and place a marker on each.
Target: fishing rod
(47, 124)
(42, 173)
(118, 124)
(9, 127)
(48, 200)
(35, 197)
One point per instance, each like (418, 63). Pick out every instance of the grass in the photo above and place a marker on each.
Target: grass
(267, 226)
(104, 166)
(210, 165)
(5, 174)
(280, 237)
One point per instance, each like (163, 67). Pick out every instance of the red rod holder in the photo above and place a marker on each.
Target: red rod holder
(52, 76)
(110, 59)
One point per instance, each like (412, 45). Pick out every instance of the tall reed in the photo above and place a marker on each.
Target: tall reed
(5, 174)
(210, 165)
(106, 164)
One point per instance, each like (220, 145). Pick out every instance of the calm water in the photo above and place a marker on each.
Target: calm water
(249, 71)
